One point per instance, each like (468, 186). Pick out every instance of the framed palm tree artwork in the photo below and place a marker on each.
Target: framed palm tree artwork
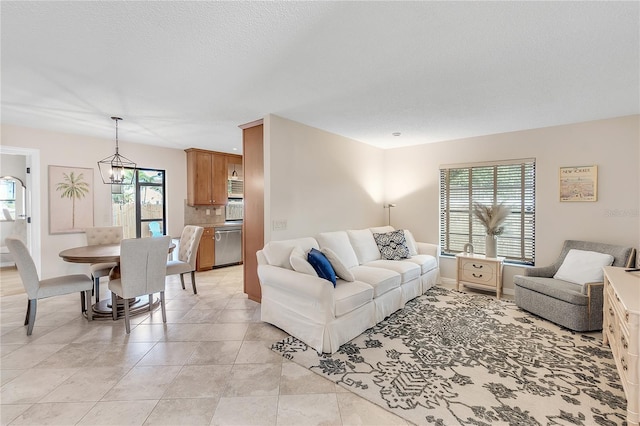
(70, 199)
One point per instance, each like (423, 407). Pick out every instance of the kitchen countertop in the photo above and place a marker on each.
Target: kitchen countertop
(219, 225)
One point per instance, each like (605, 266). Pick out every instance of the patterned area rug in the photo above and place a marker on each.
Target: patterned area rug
(450, 358)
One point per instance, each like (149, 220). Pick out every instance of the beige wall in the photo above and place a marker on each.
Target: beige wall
(412, 179)
(318, 181)
(81, 151)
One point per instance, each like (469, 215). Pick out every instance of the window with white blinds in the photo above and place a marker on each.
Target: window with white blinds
(509, 182)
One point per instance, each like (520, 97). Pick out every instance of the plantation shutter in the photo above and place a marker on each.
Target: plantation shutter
(509, 182)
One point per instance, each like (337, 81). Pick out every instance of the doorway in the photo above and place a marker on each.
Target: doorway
(24, 163)
(140, 208)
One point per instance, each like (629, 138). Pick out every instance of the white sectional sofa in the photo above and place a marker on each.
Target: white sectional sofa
(368, 289)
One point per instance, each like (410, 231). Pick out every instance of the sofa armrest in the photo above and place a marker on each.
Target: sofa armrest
(314, 290)
(428, 248)
(541, 271)
(590, 289)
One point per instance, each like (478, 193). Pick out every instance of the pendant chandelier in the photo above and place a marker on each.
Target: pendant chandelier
(113, 169)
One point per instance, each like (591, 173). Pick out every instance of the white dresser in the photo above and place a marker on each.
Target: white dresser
(621, 330)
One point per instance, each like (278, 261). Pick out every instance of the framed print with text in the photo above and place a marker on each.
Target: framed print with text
(579, 183)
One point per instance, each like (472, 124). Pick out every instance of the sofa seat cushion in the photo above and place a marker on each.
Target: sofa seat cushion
(426, 262)
(558, 289)
(351, 295)
(382, 280)
(408, 271)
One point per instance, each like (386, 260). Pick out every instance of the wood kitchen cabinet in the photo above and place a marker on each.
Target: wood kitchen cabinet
(207, 176)
(206, 250)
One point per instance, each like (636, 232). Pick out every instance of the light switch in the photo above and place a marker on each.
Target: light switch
(279, 225)
(207, 212)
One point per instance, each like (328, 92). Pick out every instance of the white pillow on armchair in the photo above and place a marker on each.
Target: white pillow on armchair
(581, 267)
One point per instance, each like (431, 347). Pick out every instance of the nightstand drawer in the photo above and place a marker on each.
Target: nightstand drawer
(475, 265)
(481, 276)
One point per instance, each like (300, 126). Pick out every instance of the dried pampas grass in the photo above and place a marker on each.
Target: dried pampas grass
(491, 216)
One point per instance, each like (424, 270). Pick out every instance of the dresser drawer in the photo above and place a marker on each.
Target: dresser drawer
(629, 367)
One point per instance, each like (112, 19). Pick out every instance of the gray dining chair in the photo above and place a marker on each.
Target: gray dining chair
(40, 289)
(143, 268)
(187, 253)
(102, 235)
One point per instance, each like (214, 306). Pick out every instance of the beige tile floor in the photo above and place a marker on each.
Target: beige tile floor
(210, 364)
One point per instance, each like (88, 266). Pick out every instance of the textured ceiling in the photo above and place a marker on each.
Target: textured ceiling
(186, 74)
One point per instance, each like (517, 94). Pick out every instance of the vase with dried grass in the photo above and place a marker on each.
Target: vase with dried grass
(492, 217)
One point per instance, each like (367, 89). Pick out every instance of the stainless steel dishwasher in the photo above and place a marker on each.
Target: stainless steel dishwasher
(228, 245)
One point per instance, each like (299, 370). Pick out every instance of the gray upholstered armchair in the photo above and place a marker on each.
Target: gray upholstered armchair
(574, 306)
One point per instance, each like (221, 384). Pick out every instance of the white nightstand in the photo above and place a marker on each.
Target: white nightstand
(479, 271)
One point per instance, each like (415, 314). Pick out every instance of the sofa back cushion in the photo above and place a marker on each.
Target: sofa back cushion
(278, 253)
(411, 243)
(382, 229)
(339, 243)
(364, 245)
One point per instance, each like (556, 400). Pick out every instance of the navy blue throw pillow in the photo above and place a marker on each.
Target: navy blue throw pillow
(322, 265)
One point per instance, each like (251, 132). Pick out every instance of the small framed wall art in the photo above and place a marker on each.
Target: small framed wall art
(579, 183)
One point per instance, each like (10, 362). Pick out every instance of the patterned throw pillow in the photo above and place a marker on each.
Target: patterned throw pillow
(392, 245)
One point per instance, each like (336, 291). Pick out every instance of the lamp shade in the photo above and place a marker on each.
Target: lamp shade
(113, 169)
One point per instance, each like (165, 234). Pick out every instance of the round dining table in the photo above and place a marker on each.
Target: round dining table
(109, 253)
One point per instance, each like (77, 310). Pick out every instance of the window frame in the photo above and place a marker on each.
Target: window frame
(510, 181)
(137, 187)
(140, 185)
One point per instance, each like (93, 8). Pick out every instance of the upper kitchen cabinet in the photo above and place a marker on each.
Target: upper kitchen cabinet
(207, 176)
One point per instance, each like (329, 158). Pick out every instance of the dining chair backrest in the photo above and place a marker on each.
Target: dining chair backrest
(103, 235)
(189, 241)
(143, 265)
(26, 267)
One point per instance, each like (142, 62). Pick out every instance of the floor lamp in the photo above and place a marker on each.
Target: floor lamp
(388, 206)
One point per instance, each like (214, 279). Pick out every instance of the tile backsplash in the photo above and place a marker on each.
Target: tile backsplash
(198, 215)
